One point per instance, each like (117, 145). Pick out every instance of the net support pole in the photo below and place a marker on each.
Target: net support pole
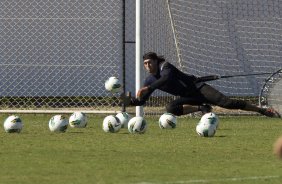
(123, 54)
(139, 51)
(174, 35)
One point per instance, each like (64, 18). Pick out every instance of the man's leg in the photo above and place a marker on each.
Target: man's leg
(204, 108)
(270, 112)
(187, 105)
(187, 109)
(217, 98)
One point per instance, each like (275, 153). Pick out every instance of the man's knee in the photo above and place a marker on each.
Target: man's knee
(232, 104)
(175, 109)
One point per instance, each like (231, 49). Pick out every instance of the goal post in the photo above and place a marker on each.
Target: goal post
(139, 51)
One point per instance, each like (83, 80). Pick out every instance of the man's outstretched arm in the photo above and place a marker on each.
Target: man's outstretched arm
(128, 100)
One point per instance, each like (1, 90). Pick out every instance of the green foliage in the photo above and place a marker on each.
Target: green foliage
(241, 148)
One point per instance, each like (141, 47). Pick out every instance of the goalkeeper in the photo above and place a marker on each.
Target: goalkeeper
(195, 95)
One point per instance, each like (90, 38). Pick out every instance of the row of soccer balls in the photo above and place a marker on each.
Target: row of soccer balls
(57, 123)
(206, 127)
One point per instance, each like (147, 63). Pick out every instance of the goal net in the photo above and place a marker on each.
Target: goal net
(222, 37)
(56, 55)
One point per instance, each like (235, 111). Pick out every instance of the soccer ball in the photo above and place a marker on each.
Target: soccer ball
(210, 118)
(207, 125)
(205, 130)
(13, 124)
(112, 84)
(78, 120)
(111, 124)
(167, 121)
(123, 118)
(58, 123)
(137, 125)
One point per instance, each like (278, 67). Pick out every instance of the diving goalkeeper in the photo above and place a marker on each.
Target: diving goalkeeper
(195, 95)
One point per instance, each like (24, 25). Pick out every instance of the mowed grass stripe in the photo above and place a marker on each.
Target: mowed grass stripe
(242, 147)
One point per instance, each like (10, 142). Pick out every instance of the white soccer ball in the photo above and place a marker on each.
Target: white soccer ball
(207, 125)
(205, 130)
(58, 123)
(78, 120)
(111, 124)
(210, 118)
(137, 125)
(13, 124)
(167, 121)
(123, 118)
(113, 85)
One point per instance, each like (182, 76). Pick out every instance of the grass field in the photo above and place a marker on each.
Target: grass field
(241, 152)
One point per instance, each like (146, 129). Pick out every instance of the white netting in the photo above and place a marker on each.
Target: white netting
(56, 53)
(222, 37)
(229, 37)
(271, 93)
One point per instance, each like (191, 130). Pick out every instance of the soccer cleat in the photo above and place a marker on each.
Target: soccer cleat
(205, 108)
(269, 112)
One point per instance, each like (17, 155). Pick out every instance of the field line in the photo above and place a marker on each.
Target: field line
(214, 180)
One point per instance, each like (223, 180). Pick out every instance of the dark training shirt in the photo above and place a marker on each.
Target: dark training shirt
(171, 80)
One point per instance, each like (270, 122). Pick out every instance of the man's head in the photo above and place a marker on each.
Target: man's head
(151, 62)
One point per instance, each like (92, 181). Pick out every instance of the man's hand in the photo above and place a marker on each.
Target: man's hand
(126, 98)
(142, 91)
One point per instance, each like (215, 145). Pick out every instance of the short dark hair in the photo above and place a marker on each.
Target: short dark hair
(154, 56)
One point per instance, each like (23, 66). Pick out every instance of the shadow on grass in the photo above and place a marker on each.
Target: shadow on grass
(221, 136)
(75, 132)
(124, 133)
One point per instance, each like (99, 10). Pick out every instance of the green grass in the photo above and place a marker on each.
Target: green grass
(241, 152)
